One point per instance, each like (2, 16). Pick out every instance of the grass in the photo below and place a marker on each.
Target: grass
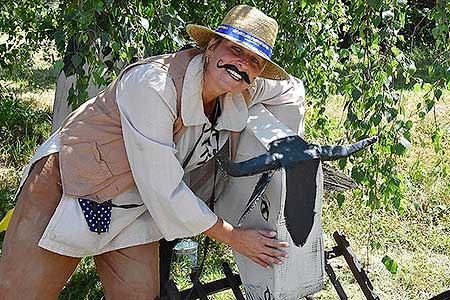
(418, 240)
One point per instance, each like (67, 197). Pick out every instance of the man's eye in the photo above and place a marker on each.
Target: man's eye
(236, 49)
(255, 60)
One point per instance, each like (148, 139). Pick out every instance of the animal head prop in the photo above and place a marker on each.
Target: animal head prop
(301, 161)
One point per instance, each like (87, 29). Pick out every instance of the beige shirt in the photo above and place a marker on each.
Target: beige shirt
(146, 98)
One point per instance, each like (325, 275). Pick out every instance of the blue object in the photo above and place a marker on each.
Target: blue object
(97, 215)
(245, 37)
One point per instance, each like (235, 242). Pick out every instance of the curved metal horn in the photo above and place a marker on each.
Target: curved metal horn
(337, 152)
(263, 163)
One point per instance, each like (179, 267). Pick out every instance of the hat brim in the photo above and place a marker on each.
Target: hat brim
(202, 35)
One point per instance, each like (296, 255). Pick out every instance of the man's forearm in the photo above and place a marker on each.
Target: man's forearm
(222, 231)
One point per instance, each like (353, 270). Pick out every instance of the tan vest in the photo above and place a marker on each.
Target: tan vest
(92, 156)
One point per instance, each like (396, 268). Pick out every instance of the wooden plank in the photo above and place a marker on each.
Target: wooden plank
(231, 281)
(211, 287)
(442, 296)
(172, 292)
(198, 287)
(165, 259)
(355, 266)
(337, 285)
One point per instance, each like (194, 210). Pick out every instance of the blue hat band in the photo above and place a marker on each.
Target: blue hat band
(246, 38)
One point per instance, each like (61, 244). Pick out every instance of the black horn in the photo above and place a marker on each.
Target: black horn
(263, 163)
(288, 152)
(337, 152)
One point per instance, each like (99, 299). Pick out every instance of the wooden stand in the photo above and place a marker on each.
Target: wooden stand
(233, 281)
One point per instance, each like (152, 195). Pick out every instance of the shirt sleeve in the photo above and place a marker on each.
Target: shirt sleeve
(146, 97)
(284, 98)
(277, 92)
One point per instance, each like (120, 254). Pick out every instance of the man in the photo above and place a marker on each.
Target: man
(109, 182)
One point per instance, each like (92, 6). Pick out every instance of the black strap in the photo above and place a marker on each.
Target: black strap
(189, 156)
(124, 206)
(212, 200)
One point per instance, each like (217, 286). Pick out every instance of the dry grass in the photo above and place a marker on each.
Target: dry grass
(419, 240)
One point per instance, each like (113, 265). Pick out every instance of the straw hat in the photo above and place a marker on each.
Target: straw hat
(250, 28)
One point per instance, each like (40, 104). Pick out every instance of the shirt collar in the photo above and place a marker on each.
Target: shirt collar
(234, 109)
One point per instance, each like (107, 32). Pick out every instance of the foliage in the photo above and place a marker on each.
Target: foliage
(84, 283)
(23, 29)
(23, 128)
(390, 264)
(338, 47)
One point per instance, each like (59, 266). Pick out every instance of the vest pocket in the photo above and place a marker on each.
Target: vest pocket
(114, 153)
(84, 164)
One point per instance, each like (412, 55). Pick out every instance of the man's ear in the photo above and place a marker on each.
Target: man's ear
(213, 43)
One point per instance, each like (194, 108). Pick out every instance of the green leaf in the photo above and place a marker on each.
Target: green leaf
(417, 87)
(376, 20)
(59, 37)
(395, 51)
(57, 67)
(304, 3)
(390, 264)
(357, 174)
(411, 68)
(376, 119)
(356, 94)
(408, 124)
(400, 204)
(375, 245)
(104, 39)
(439, 29)
(430, 104)
(398, 149)
(344, 53)
(374, 3)
(340, 200)
(76, 60)
(437, 94)
(84, 38)
(99, 6)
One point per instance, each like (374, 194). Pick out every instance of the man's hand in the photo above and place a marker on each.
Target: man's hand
(258, 245)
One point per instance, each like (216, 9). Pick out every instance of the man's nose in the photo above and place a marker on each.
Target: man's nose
(243, 62)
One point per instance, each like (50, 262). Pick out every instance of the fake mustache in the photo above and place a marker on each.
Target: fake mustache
(235, 69)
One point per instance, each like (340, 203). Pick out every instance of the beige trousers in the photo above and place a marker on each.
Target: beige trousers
(28, 272)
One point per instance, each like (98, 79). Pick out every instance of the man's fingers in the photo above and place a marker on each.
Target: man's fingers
(283, 244)
(268, 233)
(275, 243)
(260, 262)
(270, 259)
(275, 252)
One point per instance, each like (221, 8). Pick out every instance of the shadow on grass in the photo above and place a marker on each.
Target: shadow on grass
(35, 79)
(84, 283)
(23, 128)
(423, 60)
(421, 74)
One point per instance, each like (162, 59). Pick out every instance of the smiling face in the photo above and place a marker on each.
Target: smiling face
(227, 63)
